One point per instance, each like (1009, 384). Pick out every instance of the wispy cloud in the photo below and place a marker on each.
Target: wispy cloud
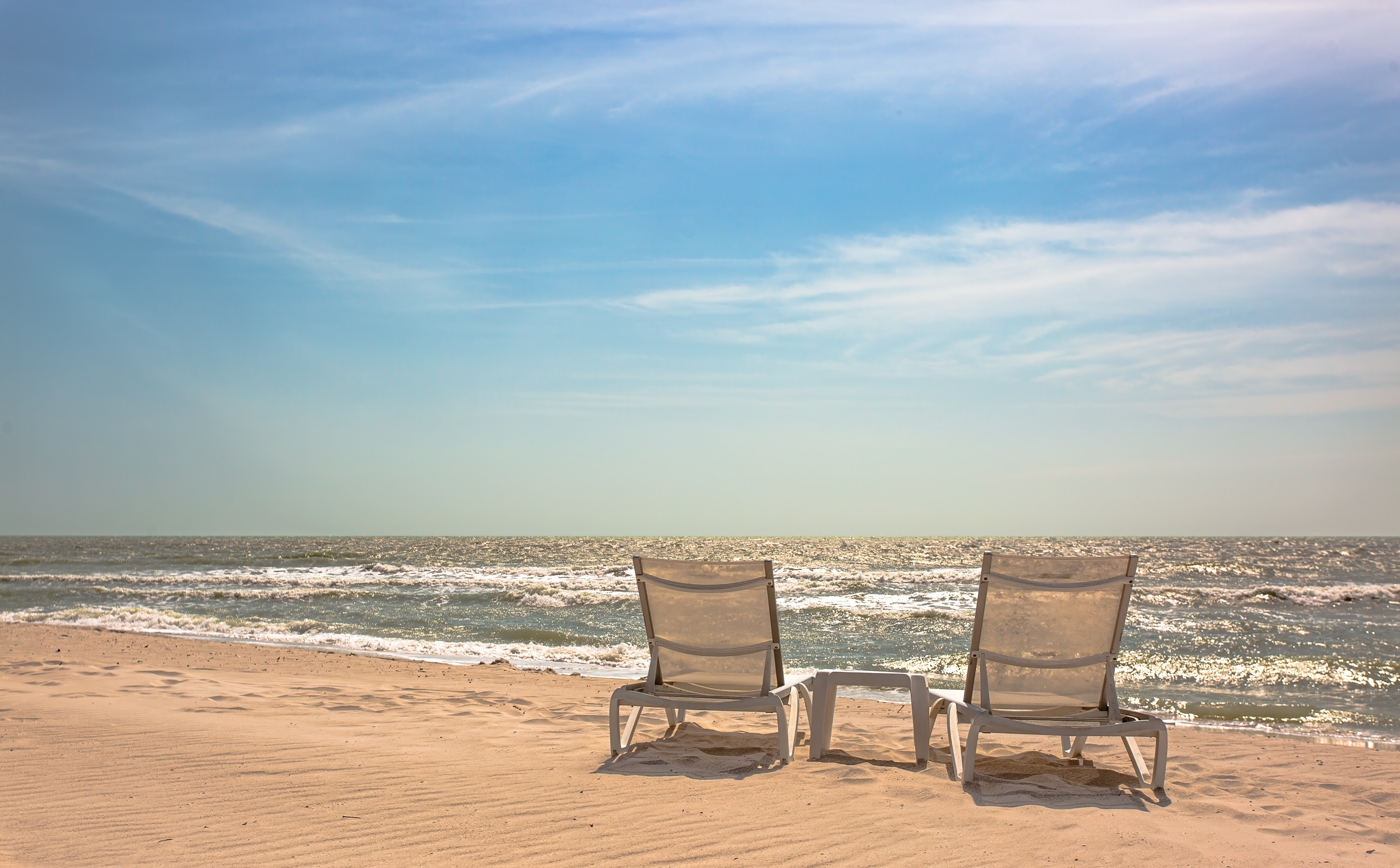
(952, 46)
(663, 52)
(1030, 57)
(74, 186)
(1102, 267)
(1295, 309)
(325, 260)
(1033, 59)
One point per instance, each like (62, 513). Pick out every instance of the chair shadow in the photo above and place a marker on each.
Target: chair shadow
(841, 757)
(1036, 778)
(694, 751)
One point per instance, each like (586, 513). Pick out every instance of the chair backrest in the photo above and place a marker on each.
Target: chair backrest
(712, 627)
(1046, 636)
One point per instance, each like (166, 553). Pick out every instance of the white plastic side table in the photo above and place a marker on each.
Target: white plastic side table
(824, 703)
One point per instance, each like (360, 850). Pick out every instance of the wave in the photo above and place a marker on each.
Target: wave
(380, 573)
(618, 660)
(956, 604)
(1300, 595)
(943, 594)
(1144, 668)
(791, 582)
(373, 576)
(559, 598)
(1136, 668)
(186, 593)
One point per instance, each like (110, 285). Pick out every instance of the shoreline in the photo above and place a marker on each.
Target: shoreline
(1357, 738)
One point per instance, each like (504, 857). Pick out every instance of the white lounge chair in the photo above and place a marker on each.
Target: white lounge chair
(1044, 645)
(712, 628)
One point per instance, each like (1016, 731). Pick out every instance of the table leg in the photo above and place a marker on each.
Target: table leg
(828, 713)
(818, 722)
(918, 705)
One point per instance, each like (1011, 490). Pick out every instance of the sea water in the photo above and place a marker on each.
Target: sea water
(1296, 635)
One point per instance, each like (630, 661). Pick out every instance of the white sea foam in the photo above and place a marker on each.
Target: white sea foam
(226, 593)
(529, 585)
(618, 659)
(373, 575)
(796, 577)
(950, 603)
(1301, 595)
(558, 598)
(946, 669)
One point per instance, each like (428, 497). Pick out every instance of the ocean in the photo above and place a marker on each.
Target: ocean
(1291, 635)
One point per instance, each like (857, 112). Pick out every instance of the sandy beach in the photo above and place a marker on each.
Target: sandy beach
(128, 748)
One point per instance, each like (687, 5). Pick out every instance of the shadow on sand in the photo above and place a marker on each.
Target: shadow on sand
(841, 757)
(1004, 780)
(694, 751)
(1035, 778)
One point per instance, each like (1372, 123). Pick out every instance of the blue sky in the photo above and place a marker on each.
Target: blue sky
(750, 268)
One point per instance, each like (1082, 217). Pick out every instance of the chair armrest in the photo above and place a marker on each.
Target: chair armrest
(791, 685)
(956, 698)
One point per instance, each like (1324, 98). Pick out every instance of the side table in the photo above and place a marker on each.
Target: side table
(824, 703)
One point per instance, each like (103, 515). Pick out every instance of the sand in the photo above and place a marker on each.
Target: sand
(125, 748)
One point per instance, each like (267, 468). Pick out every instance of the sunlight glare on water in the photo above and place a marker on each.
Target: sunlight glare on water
(1285, 633)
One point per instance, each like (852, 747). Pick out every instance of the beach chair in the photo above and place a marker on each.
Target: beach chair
(712, 629)
(1044, 644)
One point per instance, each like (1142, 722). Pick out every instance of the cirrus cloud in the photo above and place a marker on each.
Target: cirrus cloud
(1244, 311)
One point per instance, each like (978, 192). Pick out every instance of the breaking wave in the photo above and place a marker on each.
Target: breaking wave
(618, 660)
(1299, 595)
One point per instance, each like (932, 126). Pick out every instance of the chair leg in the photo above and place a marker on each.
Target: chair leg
(671, 717)
(784, 743)
(630, 728)
(970, 752)
(954, 743)
(805, 696)
(1159, 759)
(794, 717)
(1064, 747)
(614, 730)
(1077, 750)
(1135, 755)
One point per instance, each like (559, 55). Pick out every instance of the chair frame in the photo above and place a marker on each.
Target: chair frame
(777, 696)
(1073, 732)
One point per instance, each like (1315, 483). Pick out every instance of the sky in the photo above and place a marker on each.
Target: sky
(758, 268)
